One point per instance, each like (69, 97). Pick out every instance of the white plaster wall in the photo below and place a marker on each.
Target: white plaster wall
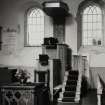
(96, 54)
(71, 24)
(71, 33)
(12, 16)
(97, 60)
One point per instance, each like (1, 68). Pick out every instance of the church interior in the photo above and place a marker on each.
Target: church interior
(52, 52)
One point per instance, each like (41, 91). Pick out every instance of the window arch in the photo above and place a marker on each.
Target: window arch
(92, 26)
(90, 23)
(35, 27)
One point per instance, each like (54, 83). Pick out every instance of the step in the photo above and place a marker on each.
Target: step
(68, 99)
(67, 103)
(70, 88)
(71, 77)
(69, 94)
(73, 72)
(71, 82)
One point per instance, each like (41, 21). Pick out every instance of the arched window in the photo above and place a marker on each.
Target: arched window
(90, 19)
(35, 27)
(92, 26)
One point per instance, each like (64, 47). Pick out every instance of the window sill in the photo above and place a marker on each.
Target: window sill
(92, 49)
(92, 46)
(33, 46)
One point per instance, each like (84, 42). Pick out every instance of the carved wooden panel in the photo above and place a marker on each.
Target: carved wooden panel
(22, 94)
(18, 96)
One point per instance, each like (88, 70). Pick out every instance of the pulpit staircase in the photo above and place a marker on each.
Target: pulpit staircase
(70, 94)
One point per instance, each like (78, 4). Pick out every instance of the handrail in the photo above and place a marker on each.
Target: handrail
(101, 81)
(100, 85)
(80, 68)
(78, 90)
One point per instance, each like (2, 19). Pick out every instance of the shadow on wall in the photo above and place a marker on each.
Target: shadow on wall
(71, 33)
(70, 20)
